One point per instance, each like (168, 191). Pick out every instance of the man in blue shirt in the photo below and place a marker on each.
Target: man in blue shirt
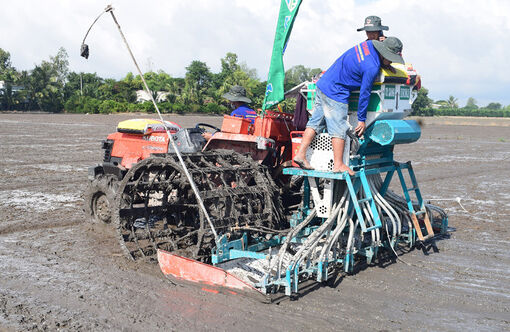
(356, 69)
(237, 96)
(238, 99)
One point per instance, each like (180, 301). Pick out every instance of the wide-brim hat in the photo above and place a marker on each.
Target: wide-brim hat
(237, 93)
(390, 49)
(373, 23)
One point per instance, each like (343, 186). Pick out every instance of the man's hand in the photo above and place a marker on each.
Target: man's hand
(360, 128)
(207, 135)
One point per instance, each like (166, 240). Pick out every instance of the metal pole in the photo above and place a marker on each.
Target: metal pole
(188, 175)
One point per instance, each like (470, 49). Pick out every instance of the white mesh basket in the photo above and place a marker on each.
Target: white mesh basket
(320, 152)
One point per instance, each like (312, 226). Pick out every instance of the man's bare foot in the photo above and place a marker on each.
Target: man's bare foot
(302, 163)
(342, 168)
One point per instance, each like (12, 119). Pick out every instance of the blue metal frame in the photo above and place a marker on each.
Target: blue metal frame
(371, 159)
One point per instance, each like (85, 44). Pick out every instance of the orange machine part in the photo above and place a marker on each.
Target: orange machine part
(236, 125)
(135, 147)
(274, 125)
(191, 270)
(296, 137)
(240, 143)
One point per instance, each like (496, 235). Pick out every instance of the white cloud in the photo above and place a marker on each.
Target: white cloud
(459, 47)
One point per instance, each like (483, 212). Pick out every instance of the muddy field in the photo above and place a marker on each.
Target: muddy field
(58, 272)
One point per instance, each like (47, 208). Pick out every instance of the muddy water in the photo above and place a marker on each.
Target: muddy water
(58, 272)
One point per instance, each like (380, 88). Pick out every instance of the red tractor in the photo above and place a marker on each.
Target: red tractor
(267, 142)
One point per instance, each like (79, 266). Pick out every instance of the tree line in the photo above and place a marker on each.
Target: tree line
(424, 106)
(52, 87)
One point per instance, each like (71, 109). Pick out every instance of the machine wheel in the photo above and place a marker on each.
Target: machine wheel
(155, 207)
(99, 198)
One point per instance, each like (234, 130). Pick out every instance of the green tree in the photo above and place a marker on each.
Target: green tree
(159, 81)
(299, 74)
(5, 63)
(24, 99)
(45, 88)
(6, 96)
(82, 84)
(198, 79)
(60, 64)
(452, 102)
(422, 102)
(47, 80)
(9, 76)
(229, 66)
(251, 72)
(119, 91)
(494, 106)
(471, 103)
(442, 103)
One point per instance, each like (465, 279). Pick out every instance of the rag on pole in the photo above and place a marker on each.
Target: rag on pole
(274, 89)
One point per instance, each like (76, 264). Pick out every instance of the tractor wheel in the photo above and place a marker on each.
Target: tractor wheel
(155, 207)
(99, 198)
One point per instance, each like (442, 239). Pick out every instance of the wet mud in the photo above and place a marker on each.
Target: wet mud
(60, 272)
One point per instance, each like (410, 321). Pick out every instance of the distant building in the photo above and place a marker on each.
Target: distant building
(142, 96)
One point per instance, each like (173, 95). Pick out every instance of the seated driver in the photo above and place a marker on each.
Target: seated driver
(238, 100)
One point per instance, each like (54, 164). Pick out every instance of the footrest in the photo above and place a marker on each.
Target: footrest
(417, 227)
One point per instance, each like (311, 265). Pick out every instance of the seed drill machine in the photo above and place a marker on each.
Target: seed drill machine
(342, 220)
(216, 212)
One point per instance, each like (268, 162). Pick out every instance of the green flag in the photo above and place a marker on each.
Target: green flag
(274, 88)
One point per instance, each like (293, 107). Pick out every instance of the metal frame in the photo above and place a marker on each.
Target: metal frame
(384, 164)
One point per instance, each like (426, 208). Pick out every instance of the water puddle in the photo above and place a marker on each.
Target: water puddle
(36, 201)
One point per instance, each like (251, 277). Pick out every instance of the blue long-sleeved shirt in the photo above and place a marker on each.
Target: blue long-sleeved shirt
(245, 112)
(356, 69)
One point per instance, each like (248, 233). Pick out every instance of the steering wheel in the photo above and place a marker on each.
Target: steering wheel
(200, 125)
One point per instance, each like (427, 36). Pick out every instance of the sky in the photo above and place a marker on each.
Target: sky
(460, 48)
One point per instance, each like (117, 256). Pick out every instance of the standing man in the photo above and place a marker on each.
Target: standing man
(374, 28)
(356, 69)
(237, 96)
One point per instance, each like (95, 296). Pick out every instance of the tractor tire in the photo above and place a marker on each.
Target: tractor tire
(156, 208)
(99, 198)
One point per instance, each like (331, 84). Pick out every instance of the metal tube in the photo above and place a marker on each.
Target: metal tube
(312, 240)
(179, 156)
(341, 223)
(350, 239)
(341, 217)
(369, 219)
(390, 212)
(290, 235)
